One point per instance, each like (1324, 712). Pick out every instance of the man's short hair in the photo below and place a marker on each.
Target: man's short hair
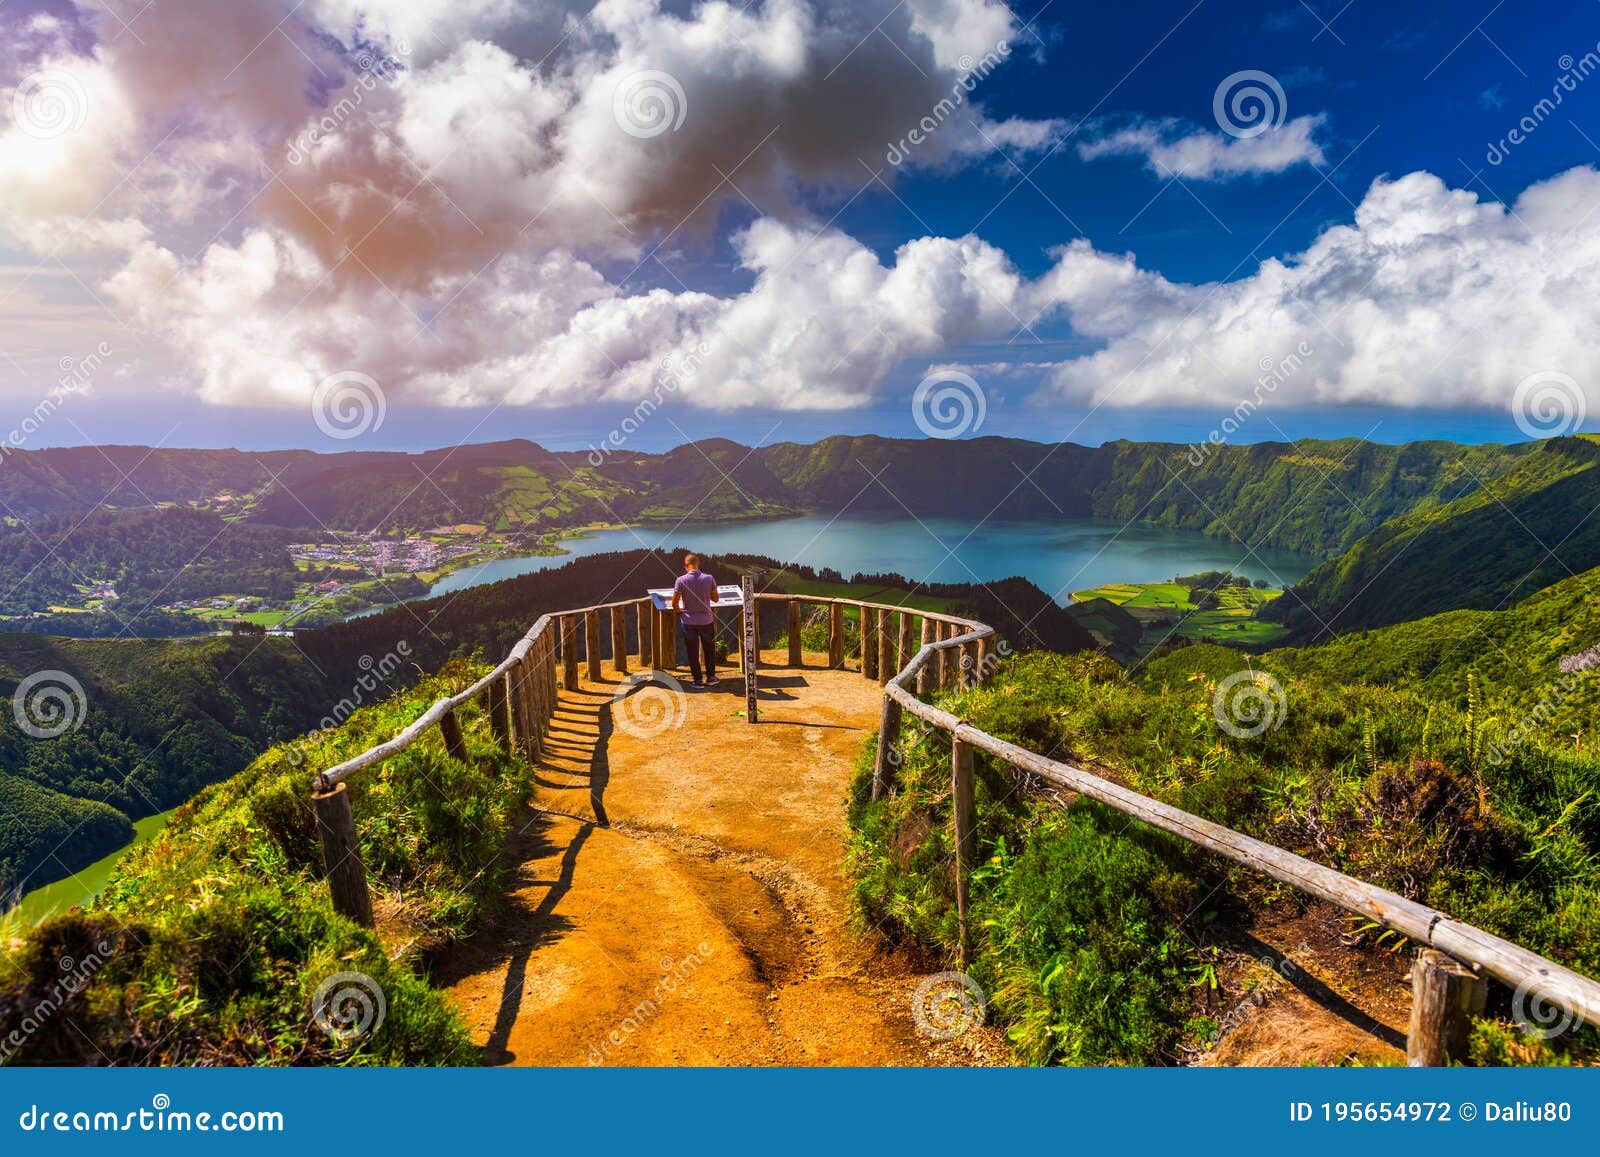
(692, 559)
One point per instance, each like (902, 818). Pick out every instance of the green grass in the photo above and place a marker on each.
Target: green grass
(218, 932)
(1077, 911)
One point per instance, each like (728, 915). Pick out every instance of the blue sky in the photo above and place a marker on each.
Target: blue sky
(1061, 143)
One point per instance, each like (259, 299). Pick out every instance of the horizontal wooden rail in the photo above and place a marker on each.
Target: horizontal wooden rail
(1545, 980)
(523, 690)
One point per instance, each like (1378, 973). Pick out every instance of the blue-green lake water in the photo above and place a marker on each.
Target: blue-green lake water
(1059, 555)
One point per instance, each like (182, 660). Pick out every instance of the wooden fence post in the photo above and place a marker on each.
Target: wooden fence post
(552, 692)
(885, 646)
(869, 642)
(969, 665)
(947, 662)
(530, 695)
(966, 822)
(796, 657)
(534, 693)
(499, 719)
(619, 640)
(642, 613)
(1445, 996)
(554, 698)
(667, 642)
(925, 676)
(836, 636)
(983, 659)
(591, 644)
(907, 646)
(511, 704)
(888, 738)
(341, 855)
(454, 742)
(569, 652)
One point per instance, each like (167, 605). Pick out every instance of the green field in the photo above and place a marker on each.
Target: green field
(1165, 610)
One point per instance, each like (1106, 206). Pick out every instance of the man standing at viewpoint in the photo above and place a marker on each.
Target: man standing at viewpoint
(694, 596)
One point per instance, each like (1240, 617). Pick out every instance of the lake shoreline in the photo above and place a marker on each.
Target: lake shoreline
(890, 543)
(82, 886)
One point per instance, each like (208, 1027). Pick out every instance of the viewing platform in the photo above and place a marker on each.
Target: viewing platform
(680, 895)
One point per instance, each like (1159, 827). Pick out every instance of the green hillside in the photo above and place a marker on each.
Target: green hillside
(1317, 497)
(521, 486)
(212, 938)
(1517, 659)
(1099, 941)
(1485, 550)
(1311, 496)
(148, 556)
(155, 722)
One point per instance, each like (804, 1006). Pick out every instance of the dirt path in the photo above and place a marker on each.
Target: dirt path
(679, 896)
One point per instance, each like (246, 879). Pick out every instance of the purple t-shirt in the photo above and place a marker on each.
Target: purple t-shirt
(697, 590)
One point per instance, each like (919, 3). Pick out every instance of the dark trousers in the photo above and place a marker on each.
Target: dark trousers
(698, 640)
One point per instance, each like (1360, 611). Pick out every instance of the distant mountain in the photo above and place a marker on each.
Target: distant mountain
(1317, 497)
(1311, 496)
(34, 483)
(1498, 543)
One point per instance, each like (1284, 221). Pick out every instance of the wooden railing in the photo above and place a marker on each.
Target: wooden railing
(913, 654)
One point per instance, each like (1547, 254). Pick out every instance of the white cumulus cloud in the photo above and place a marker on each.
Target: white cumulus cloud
(1172, 148)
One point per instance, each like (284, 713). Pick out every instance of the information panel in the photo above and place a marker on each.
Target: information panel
(728, 595)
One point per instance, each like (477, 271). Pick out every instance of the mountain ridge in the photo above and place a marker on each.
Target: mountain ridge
(1319, 497)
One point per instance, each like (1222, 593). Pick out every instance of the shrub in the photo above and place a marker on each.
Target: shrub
(1081, 913)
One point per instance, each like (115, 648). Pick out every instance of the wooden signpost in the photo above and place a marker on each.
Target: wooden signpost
(747, 587)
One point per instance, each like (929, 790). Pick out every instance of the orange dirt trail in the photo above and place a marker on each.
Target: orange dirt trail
(679, 896)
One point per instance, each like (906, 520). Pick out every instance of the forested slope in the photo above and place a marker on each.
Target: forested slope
(1485, 550)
